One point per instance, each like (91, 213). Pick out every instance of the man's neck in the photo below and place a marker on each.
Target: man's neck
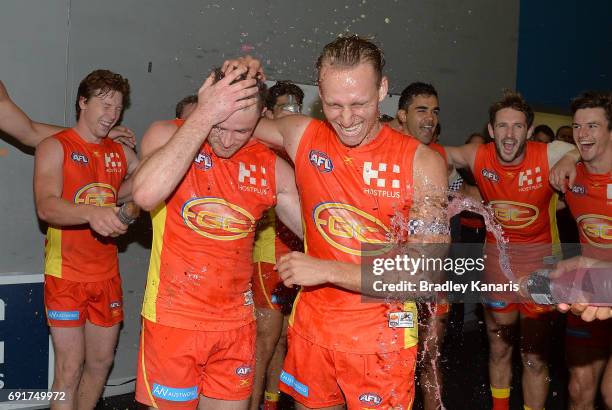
(601, 164)
(86, 134)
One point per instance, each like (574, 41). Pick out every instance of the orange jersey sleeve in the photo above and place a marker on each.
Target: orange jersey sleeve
(201, 258)
(590, 201)
(92, 175)
(348, 197)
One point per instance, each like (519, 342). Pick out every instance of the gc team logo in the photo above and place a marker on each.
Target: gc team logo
(597, 229)
(320, 161)
(348, 228)
(514, 215)
(215, 218)
(97, 194)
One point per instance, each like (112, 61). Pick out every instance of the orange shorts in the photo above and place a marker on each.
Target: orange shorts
(269, 291)
(527, 309)
(595, 334)
(176, 366)
(317, 377)
(70, 304)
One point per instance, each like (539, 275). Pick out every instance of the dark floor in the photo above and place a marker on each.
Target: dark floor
(464, 360)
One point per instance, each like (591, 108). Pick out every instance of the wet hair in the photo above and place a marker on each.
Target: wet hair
(512, 100)
(348, 52)
(412, 91)
(545, 129)
(283, 88)
(592, 99)
(180, 106)
(98, 83)
(261, 86)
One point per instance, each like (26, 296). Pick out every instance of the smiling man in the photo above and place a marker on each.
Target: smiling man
(512, 175)
(206, 183)
(79, 178)
(353, 176)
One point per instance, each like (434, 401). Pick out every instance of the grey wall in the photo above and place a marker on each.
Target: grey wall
(466, 48)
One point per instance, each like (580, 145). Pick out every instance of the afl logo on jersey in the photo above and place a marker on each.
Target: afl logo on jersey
(492, 175)
(349, 229)
(371, 399)
(597, 229)
(243, 370)
(203, 161)
(514, 215)
(79, 158)
(320, 161)
(215, 218)
(97, 194)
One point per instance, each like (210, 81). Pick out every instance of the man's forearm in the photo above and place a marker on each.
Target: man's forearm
(57, 211)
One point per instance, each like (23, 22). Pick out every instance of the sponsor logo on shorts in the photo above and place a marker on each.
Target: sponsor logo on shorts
(290, 381)
(215, 218)
(63, 314)
(321, 161)
(243, 370)
(496, 304)
(401, 319)
(577, 333)
(597, 229)
(348, 229)
(173, 393)
(492, 175)
(97, 194)
(371, 399)
(514, 215)
(203, 161)
(79, 158)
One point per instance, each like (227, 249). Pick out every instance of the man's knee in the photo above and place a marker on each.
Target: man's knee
(68, 371)
(581, 386)
(534, 363)
(100, 363)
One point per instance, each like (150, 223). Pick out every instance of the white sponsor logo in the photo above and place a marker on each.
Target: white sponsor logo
(250, 173)
(374, 176)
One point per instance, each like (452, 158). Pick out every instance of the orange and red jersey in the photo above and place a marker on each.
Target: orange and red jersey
(590, 201)
(523, 202)
(92, 175)
(348, 197)
(201, 258)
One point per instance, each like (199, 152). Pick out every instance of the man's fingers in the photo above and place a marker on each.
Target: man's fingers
(563, 307)
(571, 179)
(233, 73)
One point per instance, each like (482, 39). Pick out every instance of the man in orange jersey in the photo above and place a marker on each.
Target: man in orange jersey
(353, 175)
(417, 114)
(512, 175)
(589, 345)
(17, 124)
(206, 183)
(273, 300)
(79, 178)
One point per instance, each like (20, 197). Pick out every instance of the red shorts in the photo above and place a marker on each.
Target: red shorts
(268, 289)
(176, 366)
(596, 334)
(70, 304)
(527, 309)
(317, 377)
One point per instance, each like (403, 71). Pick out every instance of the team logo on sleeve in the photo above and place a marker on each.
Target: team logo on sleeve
(97, 194)
(215, 218)
(514, 215)
(348, 229)
(321, 161)
(597, 229)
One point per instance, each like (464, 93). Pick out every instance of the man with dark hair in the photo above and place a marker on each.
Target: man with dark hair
(512, 175)
(353, 174)
(206, 183)
(417, 115)
(186, 106)
(79, 178)
(17, 124)
(588, 345)
(543, 133)
(273, 300)
(565, 134)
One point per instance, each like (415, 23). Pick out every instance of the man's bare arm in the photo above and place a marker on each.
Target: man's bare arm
(562, 159)
(462, 156)
(284, 133)
(125, 191)
(48, 186)
(287, 199)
